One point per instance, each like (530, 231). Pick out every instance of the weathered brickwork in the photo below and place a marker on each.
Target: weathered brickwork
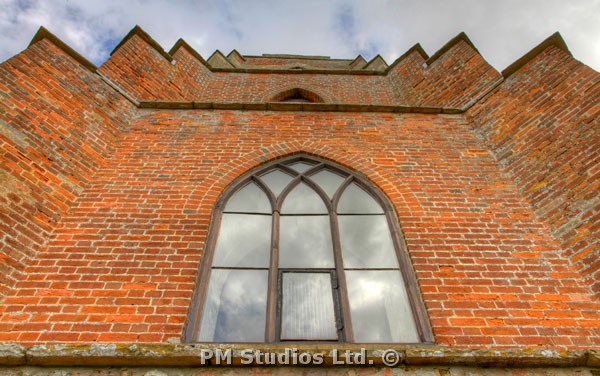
(144, 73)
(542, 124)
(57, 124)
(150, 76)
(452, 78)
(122, 265)
(106, 206)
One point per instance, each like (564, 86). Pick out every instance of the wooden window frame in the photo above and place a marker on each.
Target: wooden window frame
(273, 319)
(337, 306)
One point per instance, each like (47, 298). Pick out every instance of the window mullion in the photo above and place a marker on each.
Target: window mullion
(341, 279)
(270, 332)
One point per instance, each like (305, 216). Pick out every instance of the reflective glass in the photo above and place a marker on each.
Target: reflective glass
(236, 306)
(250, 199)
(300, 166)
(366, 242)
(328, 181)
(303, 200)
(379, 307)
(276, 180)
(307, 308)
(244, 240)
(305, 242)
(355, 200)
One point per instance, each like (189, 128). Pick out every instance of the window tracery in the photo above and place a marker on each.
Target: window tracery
(304, 250)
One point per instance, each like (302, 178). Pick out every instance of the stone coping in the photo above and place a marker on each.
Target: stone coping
(185, 355)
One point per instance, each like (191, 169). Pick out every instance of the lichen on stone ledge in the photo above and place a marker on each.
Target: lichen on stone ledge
(194, 355)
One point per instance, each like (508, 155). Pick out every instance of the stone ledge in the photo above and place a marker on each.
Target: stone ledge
(191, 355)
(300, 106)
(114, 355)
(300, 71)
(11, 355)
(500, 357)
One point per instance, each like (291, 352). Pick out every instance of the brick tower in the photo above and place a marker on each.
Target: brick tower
(122, 185)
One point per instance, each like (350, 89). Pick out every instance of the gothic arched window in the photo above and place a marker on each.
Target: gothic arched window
(303, 250)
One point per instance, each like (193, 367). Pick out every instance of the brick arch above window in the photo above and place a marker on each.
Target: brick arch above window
(297, 95)
(396, 190)
(313, 197)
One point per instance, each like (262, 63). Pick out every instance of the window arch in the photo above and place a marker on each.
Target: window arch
(297, 95)
(304, 250)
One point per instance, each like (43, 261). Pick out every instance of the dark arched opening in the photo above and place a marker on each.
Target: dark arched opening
(297, 95)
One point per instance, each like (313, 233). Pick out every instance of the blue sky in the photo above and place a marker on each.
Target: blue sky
(502, 30)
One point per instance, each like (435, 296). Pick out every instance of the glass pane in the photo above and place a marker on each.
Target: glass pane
(300, 166)
(244, 240)
(366, 242)
(305, 242)
(355, 200)
(307, 307)
(250, 199)
(236, 306)
(276, 180)
(303, 200)
(328, 181)
(379, 307)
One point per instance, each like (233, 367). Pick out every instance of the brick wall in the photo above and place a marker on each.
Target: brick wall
(542, 124)
(58, 122)
(122, 264)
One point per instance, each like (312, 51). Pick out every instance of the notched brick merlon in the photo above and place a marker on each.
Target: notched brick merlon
(451, 43)
(137, 30)
(43, 33)
(555, 40)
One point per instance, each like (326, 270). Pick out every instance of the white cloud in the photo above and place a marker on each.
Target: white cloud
(502, 30)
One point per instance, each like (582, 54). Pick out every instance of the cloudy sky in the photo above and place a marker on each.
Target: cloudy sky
(502, 30)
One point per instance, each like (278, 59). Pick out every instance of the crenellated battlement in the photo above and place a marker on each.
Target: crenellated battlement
(452, 78)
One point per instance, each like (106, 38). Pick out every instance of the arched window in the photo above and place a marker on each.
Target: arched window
(303, 250)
